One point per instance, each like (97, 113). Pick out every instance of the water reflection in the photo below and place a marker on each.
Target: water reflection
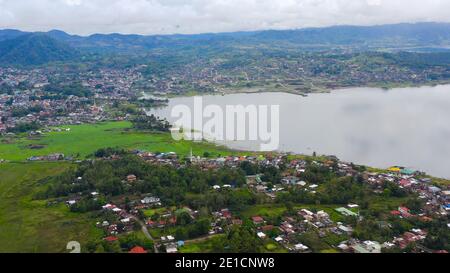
(407, 126)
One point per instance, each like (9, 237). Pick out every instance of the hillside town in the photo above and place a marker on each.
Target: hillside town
(53, 96)
(277, 202)
(294, 72)
(28, 97)
(335, 225)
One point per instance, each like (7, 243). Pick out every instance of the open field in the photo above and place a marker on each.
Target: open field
(82, 140)
(275, 210)
(27, 225)
(157, 233)
(200, 246)
(151, 212)
(386, 203)
(31, 226)
(273, 247)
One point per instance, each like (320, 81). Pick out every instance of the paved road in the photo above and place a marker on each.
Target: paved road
(145, 231)
(200, 239)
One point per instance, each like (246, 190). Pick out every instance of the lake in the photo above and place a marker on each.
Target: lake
(408, 127)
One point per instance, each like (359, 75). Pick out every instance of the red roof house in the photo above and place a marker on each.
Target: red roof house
(405, 183)
(405, 212)
(395, 213)
(257, 220)
(137, 250)
(226, 214)
(111, 239)
(267, 228)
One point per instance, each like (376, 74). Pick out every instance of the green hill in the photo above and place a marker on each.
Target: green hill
(35, 49)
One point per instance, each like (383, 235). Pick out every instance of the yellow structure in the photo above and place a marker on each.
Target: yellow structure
(394, 169)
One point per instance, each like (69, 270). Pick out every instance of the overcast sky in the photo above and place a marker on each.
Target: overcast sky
(199, 16)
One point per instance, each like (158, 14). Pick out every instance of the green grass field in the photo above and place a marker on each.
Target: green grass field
(151, 212)
(201, 246)
(157, 233)
(83, 140)
(275, 210)
(31, 226)
(386, 204)
(273, 247)
(27, 225)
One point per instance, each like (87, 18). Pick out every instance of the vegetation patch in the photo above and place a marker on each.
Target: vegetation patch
(85, 139)
(27, 225)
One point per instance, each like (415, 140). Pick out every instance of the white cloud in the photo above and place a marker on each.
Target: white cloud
(196, 16)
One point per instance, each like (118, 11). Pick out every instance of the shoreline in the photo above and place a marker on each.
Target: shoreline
(231, 145)
(264, 89)
(233, 152)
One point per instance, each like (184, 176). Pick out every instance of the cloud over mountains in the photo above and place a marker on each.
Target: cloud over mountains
(199, 16)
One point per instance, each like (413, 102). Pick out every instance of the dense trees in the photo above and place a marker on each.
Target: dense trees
(6, 89)
(151, 123)
(108, 152)
(24, 127)
(194, 230)
(271, 174)
(238, 240)
(131, 240)
(183, 218)
(19, 112)
(343, 191)
(249, 168)
(393, 190)
(125, 243)
(371, 229)
(317, 174)
(167, 182)
(236, 200)
(73, 89)
(438, 235)
(415, 204)
(88, 204)
(335, 191)
(23, 111)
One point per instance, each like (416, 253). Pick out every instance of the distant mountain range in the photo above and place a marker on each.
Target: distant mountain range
(17, 47)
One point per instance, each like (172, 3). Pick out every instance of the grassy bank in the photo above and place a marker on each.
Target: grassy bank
(27, 225)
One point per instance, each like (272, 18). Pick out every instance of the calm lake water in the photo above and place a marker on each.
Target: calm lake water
(408, 127)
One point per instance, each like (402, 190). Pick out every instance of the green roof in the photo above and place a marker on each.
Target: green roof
(346, 212)
(407, 171)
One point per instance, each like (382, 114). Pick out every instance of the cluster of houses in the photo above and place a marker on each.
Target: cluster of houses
(356, 246)
(436, 205)
(302, 75)
(26, 92)
(50, 157)
(286, 233)
(169, 158)
(436, 199)
(304, 221)
(222, 218)
(36, 107)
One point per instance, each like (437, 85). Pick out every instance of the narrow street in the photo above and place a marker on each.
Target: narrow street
(146, 232)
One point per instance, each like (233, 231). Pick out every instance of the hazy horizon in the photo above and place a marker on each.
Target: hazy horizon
(155, 17)
(225, 32)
